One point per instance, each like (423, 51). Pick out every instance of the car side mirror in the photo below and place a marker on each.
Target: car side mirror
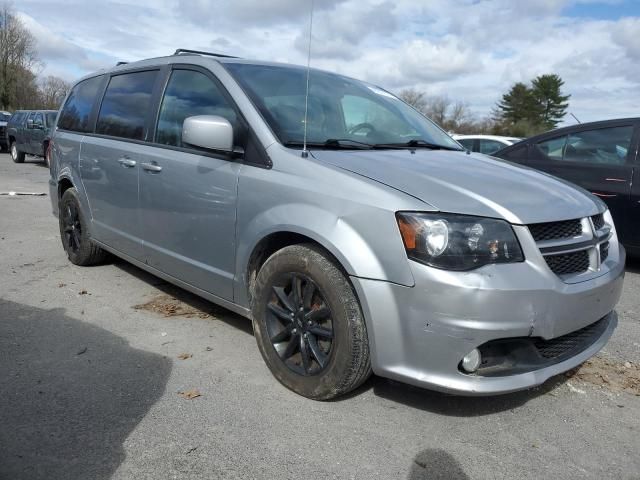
(208, 131)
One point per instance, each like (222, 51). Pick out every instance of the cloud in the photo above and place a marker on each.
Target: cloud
(470, 50)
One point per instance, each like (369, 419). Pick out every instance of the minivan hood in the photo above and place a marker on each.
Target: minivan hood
(472, 184)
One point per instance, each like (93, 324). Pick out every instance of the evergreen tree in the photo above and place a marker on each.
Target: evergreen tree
(516, 105)
(551, 105)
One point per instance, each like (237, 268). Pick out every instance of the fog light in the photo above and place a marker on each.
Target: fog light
(471, 361)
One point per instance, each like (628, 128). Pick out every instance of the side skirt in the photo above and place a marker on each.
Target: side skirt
(240, 310)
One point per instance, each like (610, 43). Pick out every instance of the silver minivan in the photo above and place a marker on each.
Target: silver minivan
(355, 234)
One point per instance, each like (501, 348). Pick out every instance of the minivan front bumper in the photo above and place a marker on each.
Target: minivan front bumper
(420, 334)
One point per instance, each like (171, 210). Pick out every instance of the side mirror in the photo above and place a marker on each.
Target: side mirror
(208, 131)
(30, 123)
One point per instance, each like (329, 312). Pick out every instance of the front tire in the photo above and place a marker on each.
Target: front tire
(16, 155)
(308, 324)
(74, 232)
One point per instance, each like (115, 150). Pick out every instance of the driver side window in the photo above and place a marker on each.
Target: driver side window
(190, 93)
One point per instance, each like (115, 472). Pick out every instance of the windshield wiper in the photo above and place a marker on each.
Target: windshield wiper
(417, 143)
(334, 144)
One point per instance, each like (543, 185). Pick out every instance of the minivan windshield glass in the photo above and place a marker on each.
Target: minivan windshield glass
(342, 112)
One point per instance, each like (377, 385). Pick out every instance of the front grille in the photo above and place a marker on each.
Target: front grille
(604, 251)
(3, 131)
(575, 262)
(598, 221)
(571, 342)
(555, 230)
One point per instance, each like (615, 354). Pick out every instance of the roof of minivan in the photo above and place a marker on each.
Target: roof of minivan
(201, 59)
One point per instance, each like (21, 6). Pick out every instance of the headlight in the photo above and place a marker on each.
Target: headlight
(457, 242)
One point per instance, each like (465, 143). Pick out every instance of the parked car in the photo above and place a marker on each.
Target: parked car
(487, 144)
(601, 157)
(376, 244)
(4, 118)
(29, 132)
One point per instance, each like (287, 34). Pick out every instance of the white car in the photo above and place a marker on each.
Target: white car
(487, 144)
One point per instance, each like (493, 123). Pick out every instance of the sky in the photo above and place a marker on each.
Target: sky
(469, 50)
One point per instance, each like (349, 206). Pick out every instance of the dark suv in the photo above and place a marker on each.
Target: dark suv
(601, 157)
(29, 131)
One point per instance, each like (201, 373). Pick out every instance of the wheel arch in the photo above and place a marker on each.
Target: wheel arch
(268, 233)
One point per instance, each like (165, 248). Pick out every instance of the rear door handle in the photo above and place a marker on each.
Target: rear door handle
(127, 162)
(150, 167)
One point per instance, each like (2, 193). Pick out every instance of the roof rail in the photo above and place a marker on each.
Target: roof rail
(121, 63)
(183, 51)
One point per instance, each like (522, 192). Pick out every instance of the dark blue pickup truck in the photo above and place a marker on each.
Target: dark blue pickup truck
(28, 132)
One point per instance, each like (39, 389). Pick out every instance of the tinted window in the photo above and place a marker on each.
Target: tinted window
(603, 146)
(77, 109)
(126, 104)
(189, 93)
(490, 146)
(552, 148)
(466, 143)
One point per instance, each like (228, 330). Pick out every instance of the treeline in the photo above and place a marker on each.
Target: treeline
(20, 86)
(523, 111)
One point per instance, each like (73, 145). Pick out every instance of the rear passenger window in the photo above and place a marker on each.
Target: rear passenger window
(603, 146)
(189, 93)
(77, 109)
(126, 104)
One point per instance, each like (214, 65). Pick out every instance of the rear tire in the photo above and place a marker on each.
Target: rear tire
(308, 324)
(16, 155)
(74, 232)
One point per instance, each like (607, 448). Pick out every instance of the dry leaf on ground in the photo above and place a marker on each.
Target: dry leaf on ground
(190, 394)
(184, 356)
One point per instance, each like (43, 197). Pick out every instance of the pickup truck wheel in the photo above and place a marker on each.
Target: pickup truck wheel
(75, 234)
(16, 155)
(309, 325)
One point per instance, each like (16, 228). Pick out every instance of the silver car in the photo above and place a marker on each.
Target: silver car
(355, 234)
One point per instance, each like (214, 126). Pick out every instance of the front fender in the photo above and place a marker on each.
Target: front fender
(337, 234)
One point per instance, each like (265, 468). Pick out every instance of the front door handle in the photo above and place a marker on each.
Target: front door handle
(151, 167)
(127, 162)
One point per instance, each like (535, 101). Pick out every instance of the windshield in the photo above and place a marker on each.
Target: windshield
(339, 108)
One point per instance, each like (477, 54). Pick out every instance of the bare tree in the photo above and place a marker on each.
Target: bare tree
(52, 92)
(17, 57)
(413, 97)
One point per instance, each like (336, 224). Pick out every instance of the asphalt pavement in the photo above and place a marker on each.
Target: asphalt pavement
(110, 373)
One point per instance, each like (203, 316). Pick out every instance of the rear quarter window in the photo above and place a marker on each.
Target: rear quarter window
(76, 112)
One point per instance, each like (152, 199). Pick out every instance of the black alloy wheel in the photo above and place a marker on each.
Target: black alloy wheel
(72, 228)
(299, 324)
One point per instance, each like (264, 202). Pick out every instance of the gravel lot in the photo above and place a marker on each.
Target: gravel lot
(90, 375)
